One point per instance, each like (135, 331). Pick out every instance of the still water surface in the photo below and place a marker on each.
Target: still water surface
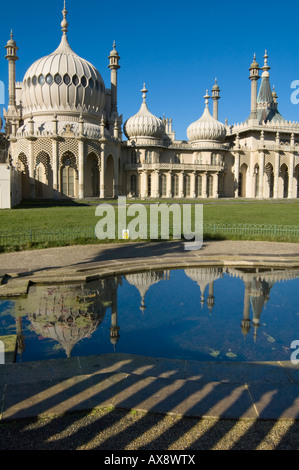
(193, 314)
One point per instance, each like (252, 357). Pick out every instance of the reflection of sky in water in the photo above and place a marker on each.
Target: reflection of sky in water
(176, 324)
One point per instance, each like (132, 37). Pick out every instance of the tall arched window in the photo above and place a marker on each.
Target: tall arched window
(162, 185)
(175, 186)
(198, 186)
(68, 177)
(187, 185)
(134, 185)
(210, 186)
(149, 185)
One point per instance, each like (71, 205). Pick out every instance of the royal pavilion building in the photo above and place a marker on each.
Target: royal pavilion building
(63, 137)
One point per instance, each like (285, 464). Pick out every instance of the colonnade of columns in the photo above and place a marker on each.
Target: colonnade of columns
(276, 181)
(200, 184)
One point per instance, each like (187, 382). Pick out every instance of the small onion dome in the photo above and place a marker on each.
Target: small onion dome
(254, 64)
(206, 128)
(144, 123)
(11, 42)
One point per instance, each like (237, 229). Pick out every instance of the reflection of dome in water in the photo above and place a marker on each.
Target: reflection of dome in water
(67, 314)
(143, 281)
(203, 277)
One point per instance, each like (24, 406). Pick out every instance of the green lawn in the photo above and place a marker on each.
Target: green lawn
(46, 216)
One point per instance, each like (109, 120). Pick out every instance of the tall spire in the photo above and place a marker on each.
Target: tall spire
(64, 23)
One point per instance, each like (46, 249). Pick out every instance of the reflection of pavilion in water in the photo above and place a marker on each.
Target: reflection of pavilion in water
(70, 313)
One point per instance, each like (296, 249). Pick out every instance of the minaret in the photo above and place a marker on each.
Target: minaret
(215, 98)
(245, 324)
(254, 77)
(114, 66)
(11, 56)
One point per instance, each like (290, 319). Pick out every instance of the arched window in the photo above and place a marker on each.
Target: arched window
(149, 185)
(162, 185)
(187, 185)
(148, 156)
(198, 186)
(210, 186)
(134, 156)
(68, 178)
(134, 185)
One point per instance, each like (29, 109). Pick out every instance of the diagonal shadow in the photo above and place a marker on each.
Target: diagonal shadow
(194, 399)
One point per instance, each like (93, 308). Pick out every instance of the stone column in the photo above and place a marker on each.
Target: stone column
(237, 173)
(102, 175)
(116, 177)
(262, 172)
(192, 185)
(204, 185)
(168, 184)
(181, 184)
(291, 175)
(81, 168)
(216, 185)
(31, 169)
(56, 183)
(156, 184)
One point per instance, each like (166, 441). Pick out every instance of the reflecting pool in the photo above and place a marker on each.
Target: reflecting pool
(211, 313)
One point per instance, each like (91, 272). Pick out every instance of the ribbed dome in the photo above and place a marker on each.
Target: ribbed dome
(206, 128)
(61, 82)
(144, 123)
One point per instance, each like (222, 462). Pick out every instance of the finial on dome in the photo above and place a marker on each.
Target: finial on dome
(144, 91)
(207, 97)
(64, 23)
(266, 67)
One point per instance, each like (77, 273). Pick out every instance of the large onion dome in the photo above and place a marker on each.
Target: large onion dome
(206, 128)
(62, 82)
(144, 124)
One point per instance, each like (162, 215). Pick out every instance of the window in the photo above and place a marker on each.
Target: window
(148, 156)
(57, 79)
(187, 185)
(210, 186)
(198, 186)
(91, 83)
(68, 179)
(49, 79)
(162, 186)
(84, 81)
(134, 184)
(41, 79)
(67, 79)
(34, 80)
(149, 185)
(76, 80)
(175, 185)
(134, 156)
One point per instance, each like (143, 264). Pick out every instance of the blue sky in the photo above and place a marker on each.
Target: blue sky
(177, 48)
